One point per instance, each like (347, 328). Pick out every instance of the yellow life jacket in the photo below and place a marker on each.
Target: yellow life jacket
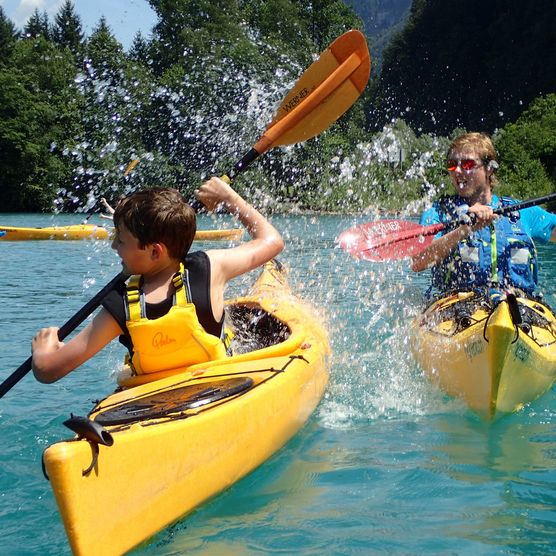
(174, 341)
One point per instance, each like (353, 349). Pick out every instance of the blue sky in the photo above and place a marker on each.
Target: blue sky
(125, 17)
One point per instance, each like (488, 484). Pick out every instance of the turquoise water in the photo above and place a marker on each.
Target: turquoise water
(386, 465)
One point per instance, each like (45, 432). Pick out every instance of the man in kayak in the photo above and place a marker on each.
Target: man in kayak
(486, 250)
(170, 314)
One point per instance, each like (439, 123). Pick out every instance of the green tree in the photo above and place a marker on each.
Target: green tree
(37, 26)
(67, 30)
(527, 149)
(8, 37)
(37, 116)
(192, 29)
(327, 19)
(140, 50)
(104, 50)
(115, 94)
(279, 27)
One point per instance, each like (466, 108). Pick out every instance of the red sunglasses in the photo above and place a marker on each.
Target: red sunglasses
(466, 164)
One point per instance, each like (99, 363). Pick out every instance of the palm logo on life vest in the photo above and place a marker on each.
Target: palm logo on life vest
(160, 339)
(176, 340)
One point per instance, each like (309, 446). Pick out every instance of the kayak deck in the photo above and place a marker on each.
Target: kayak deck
(181, 439)
(496, 355)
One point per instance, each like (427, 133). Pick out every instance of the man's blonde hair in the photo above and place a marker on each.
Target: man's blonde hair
(482, 144)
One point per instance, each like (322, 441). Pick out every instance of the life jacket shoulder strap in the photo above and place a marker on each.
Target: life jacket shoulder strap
(183, 288)
(135, 303)
(133, 298)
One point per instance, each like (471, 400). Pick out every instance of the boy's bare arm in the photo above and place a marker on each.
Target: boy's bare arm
(266, 241)
(53, 359)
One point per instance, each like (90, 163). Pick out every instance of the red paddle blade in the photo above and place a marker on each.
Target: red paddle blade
(387, 240)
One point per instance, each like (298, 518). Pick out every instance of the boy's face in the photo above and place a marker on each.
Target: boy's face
(135, 260)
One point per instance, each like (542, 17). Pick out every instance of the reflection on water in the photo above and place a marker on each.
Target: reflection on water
(479, 451)
(516, 456)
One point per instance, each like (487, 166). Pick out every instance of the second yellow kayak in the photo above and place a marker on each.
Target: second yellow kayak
(496, 354)
(73, 232)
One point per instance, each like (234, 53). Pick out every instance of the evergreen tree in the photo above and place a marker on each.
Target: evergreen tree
(67, 29)
(328, 19)
(37, 26)
(37, 112)
(103, 48)
(140, 50)
(116, 92)
(189, 30)
(279, 25)
(8, 37)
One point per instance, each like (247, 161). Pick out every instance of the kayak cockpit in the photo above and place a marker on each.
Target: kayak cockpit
(253, 328)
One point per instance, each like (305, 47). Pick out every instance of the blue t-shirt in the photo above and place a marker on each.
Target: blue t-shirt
(536, 221)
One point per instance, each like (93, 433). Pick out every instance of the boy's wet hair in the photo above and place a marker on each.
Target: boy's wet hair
(158, 215)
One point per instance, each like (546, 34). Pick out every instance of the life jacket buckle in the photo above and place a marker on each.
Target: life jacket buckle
(133, 295)
(177, 280)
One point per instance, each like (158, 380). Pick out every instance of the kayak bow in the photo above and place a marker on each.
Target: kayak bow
(497, 354)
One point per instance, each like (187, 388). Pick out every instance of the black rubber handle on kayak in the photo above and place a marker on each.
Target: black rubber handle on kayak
(65, 330)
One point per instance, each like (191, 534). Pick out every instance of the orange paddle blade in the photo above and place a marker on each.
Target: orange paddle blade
(131, 165)
(322, 94)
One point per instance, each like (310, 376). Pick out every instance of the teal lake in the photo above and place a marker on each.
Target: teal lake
(387, 464)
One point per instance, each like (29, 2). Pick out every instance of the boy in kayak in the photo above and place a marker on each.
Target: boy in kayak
(170, 314)
(487, 250)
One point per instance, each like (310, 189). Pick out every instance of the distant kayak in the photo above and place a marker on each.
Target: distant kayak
(215, 235)
(76, 231)
(92, 231)
(496, 354)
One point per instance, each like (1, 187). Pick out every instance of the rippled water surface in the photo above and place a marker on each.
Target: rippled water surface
(387, 464)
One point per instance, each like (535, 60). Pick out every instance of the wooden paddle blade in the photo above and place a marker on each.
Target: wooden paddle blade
(387, 240)
(322, 94)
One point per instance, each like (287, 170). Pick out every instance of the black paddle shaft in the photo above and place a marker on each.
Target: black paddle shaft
(507, 209)
(240, 167)
(526, 204)
(65, 330)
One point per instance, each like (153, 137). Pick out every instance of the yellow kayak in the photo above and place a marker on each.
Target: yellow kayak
(231, 234)
(73, 232)
(91, 231)
(496, 353)
(151, 453)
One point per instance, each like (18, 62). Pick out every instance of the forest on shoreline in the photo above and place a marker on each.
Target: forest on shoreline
(189, 100)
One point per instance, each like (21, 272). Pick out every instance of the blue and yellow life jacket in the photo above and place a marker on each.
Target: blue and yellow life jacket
(501, 255)
(176, 340)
